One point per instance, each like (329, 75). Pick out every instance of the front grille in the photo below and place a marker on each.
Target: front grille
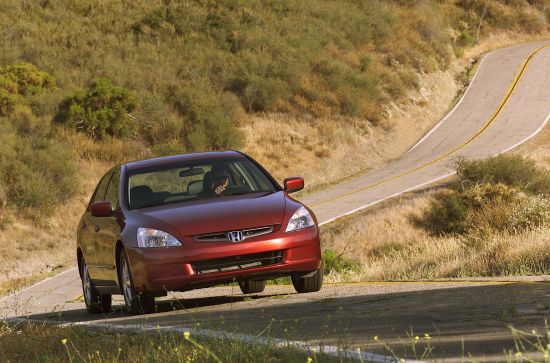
(236, 263)
(222, 236)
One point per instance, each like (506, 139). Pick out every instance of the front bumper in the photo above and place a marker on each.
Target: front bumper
(171, 269)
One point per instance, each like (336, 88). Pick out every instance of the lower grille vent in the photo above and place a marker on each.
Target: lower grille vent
(236, 263)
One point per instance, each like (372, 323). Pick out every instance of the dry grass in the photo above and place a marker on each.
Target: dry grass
(327, 150)
(29, 252)
(389, 246)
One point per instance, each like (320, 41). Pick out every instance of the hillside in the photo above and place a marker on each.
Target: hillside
(298, 85)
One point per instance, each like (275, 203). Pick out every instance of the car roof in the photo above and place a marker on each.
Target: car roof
(166, 160)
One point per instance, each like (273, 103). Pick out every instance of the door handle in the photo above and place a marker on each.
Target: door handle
(97, 228)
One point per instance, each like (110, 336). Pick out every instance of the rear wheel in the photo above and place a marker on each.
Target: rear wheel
(95, 302)
(252, 287)
(310, 283)
(136, 303)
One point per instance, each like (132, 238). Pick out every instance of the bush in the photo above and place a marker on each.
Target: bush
(102, 110)
(448, 213)
(19, 81)
(28, 78)
(512, 170)
(503, 193)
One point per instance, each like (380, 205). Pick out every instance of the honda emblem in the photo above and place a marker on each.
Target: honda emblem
(235, 236)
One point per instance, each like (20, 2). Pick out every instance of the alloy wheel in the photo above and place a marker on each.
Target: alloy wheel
(86, 285)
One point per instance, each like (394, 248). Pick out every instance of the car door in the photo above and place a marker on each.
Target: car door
(88, 227)
(107, 235)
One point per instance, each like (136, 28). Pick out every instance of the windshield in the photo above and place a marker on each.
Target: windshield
(201, 179)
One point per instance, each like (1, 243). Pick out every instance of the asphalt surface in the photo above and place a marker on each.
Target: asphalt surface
(507, 102)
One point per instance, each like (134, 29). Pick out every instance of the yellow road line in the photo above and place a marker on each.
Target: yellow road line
(487, 124)
(79, 298)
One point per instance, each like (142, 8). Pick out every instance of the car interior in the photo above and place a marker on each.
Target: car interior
(142, 196)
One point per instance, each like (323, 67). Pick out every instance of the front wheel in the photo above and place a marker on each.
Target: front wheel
(95, 302)
(251, 287)
(136, 303)
(309, 283)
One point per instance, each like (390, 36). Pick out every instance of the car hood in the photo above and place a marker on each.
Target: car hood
(222, 214)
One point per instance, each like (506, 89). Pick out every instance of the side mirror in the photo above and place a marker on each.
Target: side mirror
(101, 209)
(293, 184)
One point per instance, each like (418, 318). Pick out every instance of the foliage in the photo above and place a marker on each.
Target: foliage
(334, 262)
(318, 57)
(102, 110)
(504, 193)
(36, 173)
(19, 81)
(447, 214)
(513, 170)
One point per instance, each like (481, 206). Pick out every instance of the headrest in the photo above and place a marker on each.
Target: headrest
(194, 187)
(141, 195)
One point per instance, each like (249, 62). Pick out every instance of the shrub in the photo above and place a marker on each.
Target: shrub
(512, 170)
(100, 111)
(19, 81)
(29, 79)
(503, 193)
(530, 213)
(447, 213)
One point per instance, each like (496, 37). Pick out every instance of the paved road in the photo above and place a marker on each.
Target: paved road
(507, 102)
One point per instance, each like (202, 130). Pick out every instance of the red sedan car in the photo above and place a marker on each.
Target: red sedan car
(189, 221)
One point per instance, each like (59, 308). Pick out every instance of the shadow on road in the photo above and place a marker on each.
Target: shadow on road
(459, 320)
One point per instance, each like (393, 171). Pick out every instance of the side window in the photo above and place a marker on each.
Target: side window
(99, 195)
(112, 191)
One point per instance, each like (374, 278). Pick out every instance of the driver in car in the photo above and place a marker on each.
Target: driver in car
(219, 181)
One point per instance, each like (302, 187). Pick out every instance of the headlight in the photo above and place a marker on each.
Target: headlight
(148, 237)
(300, 220)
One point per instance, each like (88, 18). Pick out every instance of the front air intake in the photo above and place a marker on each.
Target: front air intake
(236, 263)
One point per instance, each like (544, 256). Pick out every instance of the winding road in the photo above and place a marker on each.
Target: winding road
(507, 103)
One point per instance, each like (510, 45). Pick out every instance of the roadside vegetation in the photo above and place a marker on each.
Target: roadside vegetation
(77, 344)
(493, 220)
(50, 343)
(298, 85)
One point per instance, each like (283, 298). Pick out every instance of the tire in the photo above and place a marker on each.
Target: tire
(308, 284)
(136, 303)
(252, 287)
(95, 302)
